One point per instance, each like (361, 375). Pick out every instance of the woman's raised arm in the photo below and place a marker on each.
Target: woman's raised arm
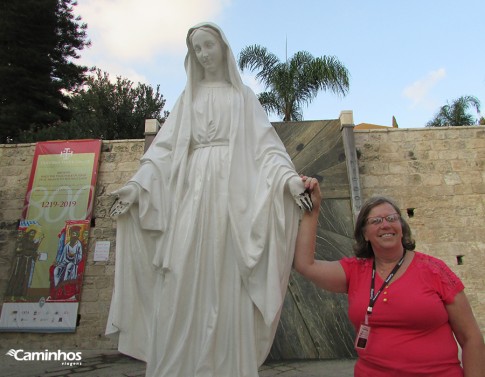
(328, 275)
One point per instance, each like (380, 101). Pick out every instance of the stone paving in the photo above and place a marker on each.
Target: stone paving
(114, 364)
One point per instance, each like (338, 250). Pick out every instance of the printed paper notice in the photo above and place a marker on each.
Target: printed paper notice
(101, 251)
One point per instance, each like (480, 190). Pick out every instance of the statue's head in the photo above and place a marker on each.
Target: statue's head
(207, 33)
(195, 70)
(209, 48)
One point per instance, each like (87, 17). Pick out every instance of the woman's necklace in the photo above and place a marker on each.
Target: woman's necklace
(385, 269)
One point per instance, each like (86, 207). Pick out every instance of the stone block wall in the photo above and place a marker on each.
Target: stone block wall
(118, 162)
(438, 176)
(439, 173)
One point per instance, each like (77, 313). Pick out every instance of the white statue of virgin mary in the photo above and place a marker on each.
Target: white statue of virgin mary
(206, 228)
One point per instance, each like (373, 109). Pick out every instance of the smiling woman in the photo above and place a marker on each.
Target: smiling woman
(407, 307)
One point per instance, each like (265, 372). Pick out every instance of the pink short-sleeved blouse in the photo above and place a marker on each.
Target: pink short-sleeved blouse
(410, 334)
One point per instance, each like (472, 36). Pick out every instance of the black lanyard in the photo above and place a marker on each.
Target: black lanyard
(373, 297)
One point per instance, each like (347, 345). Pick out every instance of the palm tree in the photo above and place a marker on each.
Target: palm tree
(456, 113)
(293, 83)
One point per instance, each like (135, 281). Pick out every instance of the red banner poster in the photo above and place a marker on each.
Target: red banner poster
(44, 287)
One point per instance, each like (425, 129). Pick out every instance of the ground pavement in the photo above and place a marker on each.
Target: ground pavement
(113, 364)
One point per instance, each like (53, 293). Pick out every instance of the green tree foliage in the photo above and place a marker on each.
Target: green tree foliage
(455, 114)
(106, 110)
(293, 83)
(39, 39)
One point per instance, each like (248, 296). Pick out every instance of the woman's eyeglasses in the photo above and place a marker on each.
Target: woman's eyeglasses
(379, 220)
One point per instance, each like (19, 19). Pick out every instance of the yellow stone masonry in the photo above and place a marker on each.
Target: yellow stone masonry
(437, 174)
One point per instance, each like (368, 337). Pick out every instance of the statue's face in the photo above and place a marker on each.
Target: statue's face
(208, 50)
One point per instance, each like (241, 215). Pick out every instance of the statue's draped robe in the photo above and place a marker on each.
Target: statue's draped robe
(203, 259)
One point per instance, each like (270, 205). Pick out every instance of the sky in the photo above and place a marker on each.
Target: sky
(406, 58)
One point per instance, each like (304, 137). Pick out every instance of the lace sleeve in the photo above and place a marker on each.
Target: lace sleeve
(441, 277)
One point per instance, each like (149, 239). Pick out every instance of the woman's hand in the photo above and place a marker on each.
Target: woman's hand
(312, 186)
(300, 193)
(328, 275)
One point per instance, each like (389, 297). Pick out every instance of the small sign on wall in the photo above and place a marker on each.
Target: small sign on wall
(101, 251)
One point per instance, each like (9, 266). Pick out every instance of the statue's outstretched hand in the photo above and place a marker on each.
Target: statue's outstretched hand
(300, 193)
(125, 197)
